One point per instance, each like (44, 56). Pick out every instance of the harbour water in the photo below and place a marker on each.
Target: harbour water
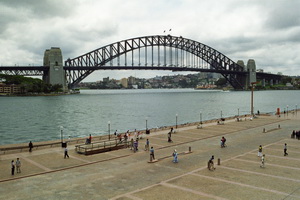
(39, 118)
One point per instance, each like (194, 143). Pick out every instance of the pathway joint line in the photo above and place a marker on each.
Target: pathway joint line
(258, 173)
(192, 191)
(36, 164)
(244, 185)
(274, 165)
(282, 157)
(130, 196)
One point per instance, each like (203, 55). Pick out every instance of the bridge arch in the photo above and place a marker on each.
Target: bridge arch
(161, 47)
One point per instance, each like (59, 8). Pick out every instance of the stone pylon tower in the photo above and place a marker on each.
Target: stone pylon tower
(251, 67)
(56, 74)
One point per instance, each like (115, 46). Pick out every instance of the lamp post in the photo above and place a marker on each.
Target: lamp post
(252, 91)
(176, 120)
(61, 133)
(287, 110)
(108, 123)
(200, 117)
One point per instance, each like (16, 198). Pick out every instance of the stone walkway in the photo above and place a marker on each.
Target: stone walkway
(123, 174)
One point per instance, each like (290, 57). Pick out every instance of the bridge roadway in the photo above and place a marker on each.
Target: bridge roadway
(123, 174)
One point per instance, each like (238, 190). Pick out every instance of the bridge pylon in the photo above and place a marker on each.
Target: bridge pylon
(251, 73)
(56, 73)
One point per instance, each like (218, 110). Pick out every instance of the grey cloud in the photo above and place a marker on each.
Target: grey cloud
(42, 9)
(14, 12)
(283, 14)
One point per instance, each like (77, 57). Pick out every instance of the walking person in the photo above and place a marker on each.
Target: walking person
(12, 167)
(152, 154)
(223, 140)
(169, 137)
(30, 145)
(66, 153)
(175, 156)
(259, 154)
(147, 145)
(18, 165)
(285, 150)
(263, 161)
(211, 163)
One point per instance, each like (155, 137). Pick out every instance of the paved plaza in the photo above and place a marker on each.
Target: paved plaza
(123, 174)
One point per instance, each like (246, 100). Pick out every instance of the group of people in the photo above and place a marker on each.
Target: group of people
(15, 165)
(134, 144)
(263, 156)
(174, 155)
(295, 135)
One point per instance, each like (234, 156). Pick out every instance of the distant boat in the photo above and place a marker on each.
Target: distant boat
(205, 87)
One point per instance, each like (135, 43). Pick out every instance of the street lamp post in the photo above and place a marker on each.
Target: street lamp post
(176, 120)
(200, 119)
(108, 123)
(61, 133)
(252, 91)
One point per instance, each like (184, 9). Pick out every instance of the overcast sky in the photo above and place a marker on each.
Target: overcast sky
(267, 31)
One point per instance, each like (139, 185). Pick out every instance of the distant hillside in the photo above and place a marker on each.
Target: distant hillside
(30, 85)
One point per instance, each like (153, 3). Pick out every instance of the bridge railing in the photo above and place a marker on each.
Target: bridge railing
(40, 145)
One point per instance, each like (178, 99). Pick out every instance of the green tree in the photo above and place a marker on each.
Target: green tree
(221, 82)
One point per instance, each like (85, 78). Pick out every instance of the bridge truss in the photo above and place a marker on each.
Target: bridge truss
(24, 70)
(159, 52)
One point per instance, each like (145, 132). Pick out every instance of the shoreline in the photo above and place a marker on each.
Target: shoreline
(55, 143)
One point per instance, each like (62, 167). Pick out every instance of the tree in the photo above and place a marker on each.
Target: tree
(221, 82)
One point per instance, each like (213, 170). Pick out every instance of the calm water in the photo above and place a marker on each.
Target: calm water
(39, 118)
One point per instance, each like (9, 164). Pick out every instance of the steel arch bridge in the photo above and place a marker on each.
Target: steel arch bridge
(158, 52)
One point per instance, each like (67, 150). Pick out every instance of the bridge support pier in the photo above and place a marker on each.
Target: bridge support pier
(56, 74)
(263, 82)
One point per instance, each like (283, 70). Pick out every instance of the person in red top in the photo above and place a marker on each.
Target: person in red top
(223, 140)
(90, 139)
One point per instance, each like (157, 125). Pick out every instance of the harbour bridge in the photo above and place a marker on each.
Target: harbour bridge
(157, 52)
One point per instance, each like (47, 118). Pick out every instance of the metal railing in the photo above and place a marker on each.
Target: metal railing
(102, 146)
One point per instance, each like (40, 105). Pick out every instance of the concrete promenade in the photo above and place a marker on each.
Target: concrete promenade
(123, 175)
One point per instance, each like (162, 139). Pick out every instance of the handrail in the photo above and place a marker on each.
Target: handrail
(103, 145)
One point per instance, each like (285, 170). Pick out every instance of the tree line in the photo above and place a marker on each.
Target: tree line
(31, 85)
